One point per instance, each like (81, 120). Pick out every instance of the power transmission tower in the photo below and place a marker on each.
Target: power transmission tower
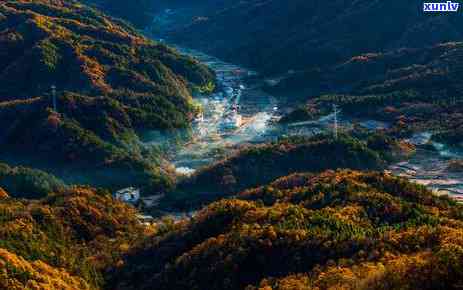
(336, 111)
(53, 93)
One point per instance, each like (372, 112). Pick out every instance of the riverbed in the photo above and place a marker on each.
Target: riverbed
(430, 167)
(241, 113)
(212, 141)
(237, 114)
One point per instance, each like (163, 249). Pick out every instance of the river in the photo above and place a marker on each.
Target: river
(241, 113)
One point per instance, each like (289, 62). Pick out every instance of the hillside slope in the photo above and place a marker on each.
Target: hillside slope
(258, 165)
(65, 241)
(112, 84)
(335, 230)
(430, 70)
(24, 182)
(246, 168)
(39, 275)
(306, 34)
(413, 90)
(138, 12)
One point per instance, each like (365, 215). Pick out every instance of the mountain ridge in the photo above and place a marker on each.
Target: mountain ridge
(307, 231)
(311, 34)
(112, 85)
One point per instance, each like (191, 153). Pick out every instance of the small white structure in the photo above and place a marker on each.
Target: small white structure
(145, 219)
(129, 195)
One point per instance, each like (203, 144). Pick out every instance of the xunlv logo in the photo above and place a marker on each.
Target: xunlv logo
(441, 7)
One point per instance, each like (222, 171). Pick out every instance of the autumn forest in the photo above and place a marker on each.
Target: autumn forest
(217, 144)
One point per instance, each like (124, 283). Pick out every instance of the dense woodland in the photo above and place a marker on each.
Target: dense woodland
(431, 70)
(112, 84)
(298, 213)
(407, 112)
(413, 90)
(258, 165)
(335, 230)
(138, 12)
(24, 182)
(64, 241)
(338, 229)
(310, 34)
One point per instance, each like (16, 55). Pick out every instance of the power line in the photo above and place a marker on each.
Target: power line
(53, 93)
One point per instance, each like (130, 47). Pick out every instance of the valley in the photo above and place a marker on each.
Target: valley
(230, 145)
(242, 92)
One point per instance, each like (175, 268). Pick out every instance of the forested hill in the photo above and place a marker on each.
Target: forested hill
(413, 90)
(138, 12)
(64, 241)
(112, 83)
(81, 50)
(142, 12)
(262, 33)
(433, 69)
(335, 230)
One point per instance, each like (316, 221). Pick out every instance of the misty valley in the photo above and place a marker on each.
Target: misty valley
(216, 144)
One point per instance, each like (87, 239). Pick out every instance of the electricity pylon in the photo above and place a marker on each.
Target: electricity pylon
(336, 111)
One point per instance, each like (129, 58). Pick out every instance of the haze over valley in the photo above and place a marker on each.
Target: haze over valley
(216, 144)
